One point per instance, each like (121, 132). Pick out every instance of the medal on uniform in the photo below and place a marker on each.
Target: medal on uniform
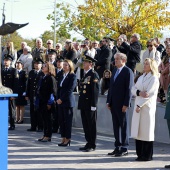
(84, 91)
(84, 86)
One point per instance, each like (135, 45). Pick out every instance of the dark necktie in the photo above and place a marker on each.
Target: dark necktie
(6, 69)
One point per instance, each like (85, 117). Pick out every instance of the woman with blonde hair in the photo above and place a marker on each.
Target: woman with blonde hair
(152, 52)
(46, 95)
(143, 119)
(9, 50)
(66, 101)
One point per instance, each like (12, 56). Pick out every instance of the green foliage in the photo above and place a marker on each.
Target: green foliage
(63, 22)
(17, 39)
(96, 19)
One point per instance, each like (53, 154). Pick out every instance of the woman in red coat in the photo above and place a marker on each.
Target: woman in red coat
(164, 70)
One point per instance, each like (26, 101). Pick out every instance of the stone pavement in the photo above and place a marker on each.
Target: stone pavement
(25, 152)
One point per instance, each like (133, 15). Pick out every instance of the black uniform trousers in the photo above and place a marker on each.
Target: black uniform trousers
(12, 112)
(65, 121)
(55, 122)
(89, 125)
(47, 121)
(120, 123)
(35, 115)
(144, 149)
(168, 123)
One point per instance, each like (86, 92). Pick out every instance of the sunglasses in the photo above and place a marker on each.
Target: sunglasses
(57, 46)
(149, 45)
(48, 43)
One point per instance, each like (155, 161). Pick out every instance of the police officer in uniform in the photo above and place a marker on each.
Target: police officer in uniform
(10, 80)
(32, 83)
(52, 57)
(59, 74)
(88, 98)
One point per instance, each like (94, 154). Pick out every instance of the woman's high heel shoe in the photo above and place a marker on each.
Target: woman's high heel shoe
(60, 144)
(66, 144)
(20, 122)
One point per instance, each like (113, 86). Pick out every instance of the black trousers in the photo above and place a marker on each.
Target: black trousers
(65, 121)
(47, 121)
(55, 122)
(168, 123)
(144, 149)
(36, 116)
(12, 112)
(120, 127)
(89, 125)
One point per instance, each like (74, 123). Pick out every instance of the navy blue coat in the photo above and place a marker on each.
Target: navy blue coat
(119, 94)
(65, 93)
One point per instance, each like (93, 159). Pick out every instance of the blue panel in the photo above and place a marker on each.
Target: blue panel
(8, 95)
(4, 134)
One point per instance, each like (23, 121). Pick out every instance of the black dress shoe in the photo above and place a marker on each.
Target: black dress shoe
(31, 130)
(167, 166)
(138, 159)
(121, 153)
(89, 150)
(114, 152)
(83, 148)
(11, 128)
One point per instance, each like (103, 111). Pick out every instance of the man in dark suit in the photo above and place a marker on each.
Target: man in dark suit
(132, 51)
(10, 79)
(104, 58)
(32, 83)
(87, 103)
(118, 101)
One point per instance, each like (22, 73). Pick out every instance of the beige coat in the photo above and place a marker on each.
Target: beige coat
(143, 123)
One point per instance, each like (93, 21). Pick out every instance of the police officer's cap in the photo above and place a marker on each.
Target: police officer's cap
(89, 59)
(109, 38)
(52, 51)
(20, 61)
(38, 60)
(8, 57)
(60, 58)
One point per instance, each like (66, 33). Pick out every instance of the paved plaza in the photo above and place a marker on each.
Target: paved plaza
(25, 152)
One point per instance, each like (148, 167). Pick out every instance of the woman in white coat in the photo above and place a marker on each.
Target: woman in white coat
(143, 119)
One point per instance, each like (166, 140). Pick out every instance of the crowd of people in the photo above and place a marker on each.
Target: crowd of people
(48, 76)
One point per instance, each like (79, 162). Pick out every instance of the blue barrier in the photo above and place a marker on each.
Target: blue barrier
(4, 130)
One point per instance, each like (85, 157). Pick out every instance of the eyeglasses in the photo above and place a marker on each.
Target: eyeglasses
(149, 45)
(103, 41)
